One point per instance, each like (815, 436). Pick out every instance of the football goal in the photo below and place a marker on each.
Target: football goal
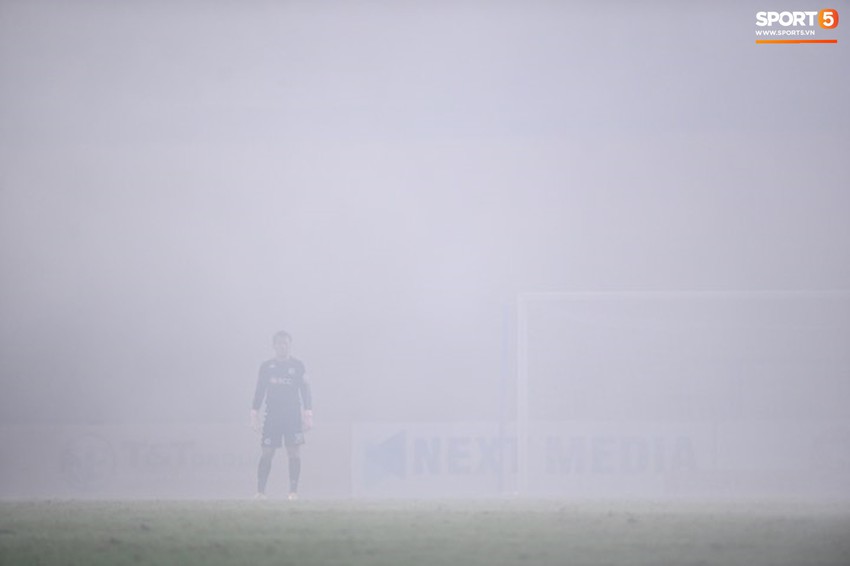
(644, 391)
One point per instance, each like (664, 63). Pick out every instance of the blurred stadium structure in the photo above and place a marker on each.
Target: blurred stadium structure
(616, 394)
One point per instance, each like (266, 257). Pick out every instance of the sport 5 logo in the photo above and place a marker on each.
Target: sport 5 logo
(827, 19)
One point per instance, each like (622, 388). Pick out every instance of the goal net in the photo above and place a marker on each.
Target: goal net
(685, 392)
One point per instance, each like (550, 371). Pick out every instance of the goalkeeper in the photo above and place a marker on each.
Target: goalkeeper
(283, 384)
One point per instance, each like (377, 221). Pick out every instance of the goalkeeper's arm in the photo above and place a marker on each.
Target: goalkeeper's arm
(259, 394)
(307, 400)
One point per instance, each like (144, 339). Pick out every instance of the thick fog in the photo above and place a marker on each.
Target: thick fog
(392, 183)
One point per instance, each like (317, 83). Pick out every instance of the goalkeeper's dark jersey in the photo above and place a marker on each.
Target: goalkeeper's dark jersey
(284, 387)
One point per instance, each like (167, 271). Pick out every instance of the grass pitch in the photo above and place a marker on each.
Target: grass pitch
(430, 533)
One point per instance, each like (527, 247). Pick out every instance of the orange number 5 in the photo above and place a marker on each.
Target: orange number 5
(828, 19)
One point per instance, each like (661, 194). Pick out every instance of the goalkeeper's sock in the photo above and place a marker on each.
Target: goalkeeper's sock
(294, 474)
(263, 472)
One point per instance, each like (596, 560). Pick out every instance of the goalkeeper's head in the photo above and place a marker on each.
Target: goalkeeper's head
(282, 343)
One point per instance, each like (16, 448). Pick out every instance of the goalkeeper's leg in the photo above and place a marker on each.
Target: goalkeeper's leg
(294, 455)
(263, 469)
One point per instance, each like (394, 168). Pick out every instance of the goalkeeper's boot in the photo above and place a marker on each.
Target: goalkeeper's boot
(293, 496)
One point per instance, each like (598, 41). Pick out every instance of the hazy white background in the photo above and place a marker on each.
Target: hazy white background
(178, 180)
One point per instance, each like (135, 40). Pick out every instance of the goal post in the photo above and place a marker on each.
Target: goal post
(646, 359)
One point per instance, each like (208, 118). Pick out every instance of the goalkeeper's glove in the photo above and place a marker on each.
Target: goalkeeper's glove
(307, 419)
(255, 420)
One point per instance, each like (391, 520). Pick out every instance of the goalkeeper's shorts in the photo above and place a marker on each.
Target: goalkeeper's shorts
(280, 431)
